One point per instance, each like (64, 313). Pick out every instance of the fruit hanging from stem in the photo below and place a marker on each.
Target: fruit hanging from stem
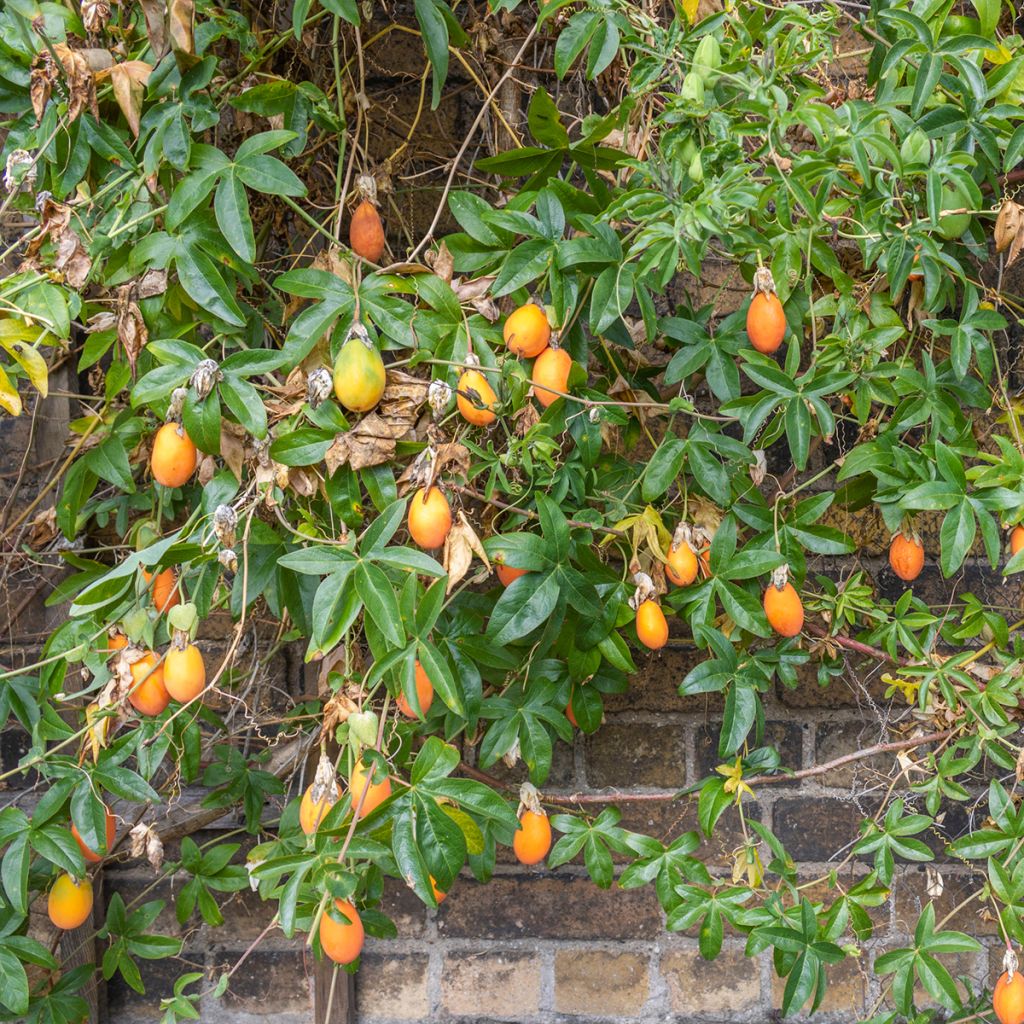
(527, 331)
(782, 605)
(766, 319)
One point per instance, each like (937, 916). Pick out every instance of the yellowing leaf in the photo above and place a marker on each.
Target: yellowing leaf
(690, 10)
(32, 363)
(9, 397)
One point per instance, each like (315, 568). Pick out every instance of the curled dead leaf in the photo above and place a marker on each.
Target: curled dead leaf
(370, 442)
(1009, 230)
(146, 842)
(461, 544)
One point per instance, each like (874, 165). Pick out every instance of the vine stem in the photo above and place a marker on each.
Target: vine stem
(457, 159)
(462, 489)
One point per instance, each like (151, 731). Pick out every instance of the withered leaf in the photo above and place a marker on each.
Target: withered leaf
(155, 12)
(80, 82)
(460, 545)
(232, 446)
(131, 328)
(128, 80)
(370, 442)
(1009, 230)
(179, 22)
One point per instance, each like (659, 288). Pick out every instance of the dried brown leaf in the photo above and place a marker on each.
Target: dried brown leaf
(128, 80)
(131, 328)
(371, 442)
(146, 842)
(442, 262)
(152, 282)
(155, 13)
(79, 81)
(72, 260)
(303, 481)
(1009, 221)
(461, 544)
(180, 16)
(232, 446)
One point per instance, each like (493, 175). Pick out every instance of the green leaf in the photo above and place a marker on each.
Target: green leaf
(378, 596)
(13, 983)
(203, 282)
(434, 28)
(232, 209)
(527, 603)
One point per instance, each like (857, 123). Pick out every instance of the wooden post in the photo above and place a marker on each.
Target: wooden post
(337, 1006)
(79, 946)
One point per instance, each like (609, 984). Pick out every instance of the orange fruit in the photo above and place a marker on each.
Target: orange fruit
(312, 812)
(916, 275)
(704, 557)
(438, 895)
(551, 370)
(69, 903)
(342, 941)
(111, 830)
(1016, 539)
(507, 573)
(184, 673)
(906, 557)
(651, 627)
(569, 713)
(1008, 999)
(366, 233)
(148, 696)
(681, 566)
(766, 322)
(424, 694)
(174, 456)
(376, 792)
(116, 640)
(478, 408)
(532, 839)
(527, 331)
(163, 590)
(430, 518)
(784, 609)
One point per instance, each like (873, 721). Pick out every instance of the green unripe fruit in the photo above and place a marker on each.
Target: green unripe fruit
(953, 225)
(696, 168)
(707, 59)
(693, 88)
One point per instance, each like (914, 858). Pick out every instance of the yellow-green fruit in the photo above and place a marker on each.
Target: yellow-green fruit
(359, 376)
(953, 225)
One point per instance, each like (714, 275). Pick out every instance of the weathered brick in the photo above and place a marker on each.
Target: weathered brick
(405, 908)
(502, 984)
(976, 918)
(14, 745)
(270, 982)
(730, 983)
(816, 828)
(786, 737)
(625, 755)
(845, 691)
(392, 986)
(846, 992)
(547, 907)
(126, 1006)
(657, 688)
(563, 768)
(132, 888)
(601, 984)
(835, 739)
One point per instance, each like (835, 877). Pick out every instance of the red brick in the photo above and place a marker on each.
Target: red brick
(548, 906)
(729, 984)
(626, 755)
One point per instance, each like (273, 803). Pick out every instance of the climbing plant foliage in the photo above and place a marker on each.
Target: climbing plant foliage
(178, 187)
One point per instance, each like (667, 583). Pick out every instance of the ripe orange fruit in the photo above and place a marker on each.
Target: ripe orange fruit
(312, 812)
(69, 903)
(551, 370)
(184, 673)
(507, 573)
(478, 408)
(430, 518)
(681, 566)
(424, 694)
(784, 609)
(148, 696)
(651, 627)
(766, 322)
(438, 895)
(116, 640)
(174, 456)
(366, 233)
(342, 941)
(1008, 999)
(111, 830)
(906, 557)
(1016, 539)
(527, 331)
(532, 839)
(376, 792)
(163, 590)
